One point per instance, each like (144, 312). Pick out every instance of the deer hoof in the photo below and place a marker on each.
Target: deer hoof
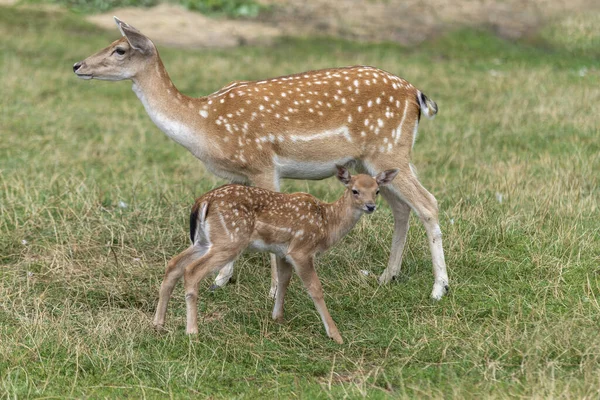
(386, 278)
(439, 290)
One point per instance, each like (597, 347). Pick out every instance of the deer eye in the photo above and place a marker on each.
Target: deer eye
(377, 192)
(355, 192)
(120, 51)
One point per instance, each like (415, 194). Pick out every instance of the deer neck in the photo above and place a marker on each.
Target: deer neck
(340, 217)
(176, 114)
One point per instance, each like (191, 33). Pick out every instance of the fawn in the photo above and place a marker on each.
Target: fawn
(296, 227)
(297, 126)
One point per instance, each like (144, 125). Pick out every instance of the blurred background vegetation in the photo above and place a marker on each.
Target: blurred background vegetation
(229, 8)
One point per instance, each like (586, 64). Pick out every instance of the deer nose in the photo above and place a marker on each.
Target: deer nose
(370, 207)
(76, 66)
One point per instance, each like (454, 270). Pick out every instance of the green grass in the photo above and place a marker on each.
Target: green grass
(577, 31)
(79, 273)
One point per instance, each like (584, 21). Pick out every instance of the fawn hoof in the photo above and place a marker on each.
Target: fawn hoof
(221, 281)
(219, 285)
(439, 290)
(279, 319)
(337, 338)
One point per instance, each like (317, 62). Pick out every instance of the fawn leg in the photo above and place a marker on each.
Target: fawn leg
(305, 269)
(173, 273)
(284, 273)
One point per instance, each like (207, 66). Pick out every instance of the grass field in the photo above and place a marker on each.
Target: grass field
(94, 200)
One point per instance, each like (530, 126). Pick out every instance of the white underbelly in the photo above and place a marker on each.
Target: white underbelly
(261, 246)
(300, 169)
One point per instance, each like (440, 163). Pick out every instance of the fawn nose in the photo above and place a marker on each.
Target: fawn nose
(76, 66)
(370, 207)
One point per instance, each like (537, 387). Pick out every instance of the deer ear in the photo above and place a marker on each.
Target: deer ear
(119, 24)
(385, 177)
(136, 39)
(343, 175)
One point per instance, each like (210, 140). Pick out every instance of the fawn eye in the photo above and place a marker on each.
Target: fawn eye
(120, 51)
(355, 192)
(377, 192)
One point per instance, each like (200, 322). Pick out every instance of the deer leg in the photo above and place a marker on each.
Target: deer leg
(284, 273)
(193, 273)
(274, 278)
(305, 269)
(425, 206)
(269, 181)
(173, 273)
(401, 212)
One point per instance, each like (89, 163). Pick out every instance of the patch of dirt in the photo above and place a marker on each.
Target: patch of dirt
(408, 22)
(174, 25)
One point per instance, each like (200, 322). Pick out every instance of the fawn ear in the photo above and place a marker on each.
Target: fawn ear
(385, 177)
(136, 39)
(343, 175)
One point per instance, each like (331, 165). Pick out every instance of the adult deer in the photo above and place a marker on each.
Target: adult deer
(296, 227)
(298, 126)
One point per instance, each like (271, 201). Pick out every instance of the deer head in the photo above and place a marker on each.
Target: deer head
(364, 188)
(123, 59)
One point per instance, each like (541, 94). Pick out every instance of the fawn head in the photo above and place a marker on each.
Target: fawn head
(364, 188)
(123, 59)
